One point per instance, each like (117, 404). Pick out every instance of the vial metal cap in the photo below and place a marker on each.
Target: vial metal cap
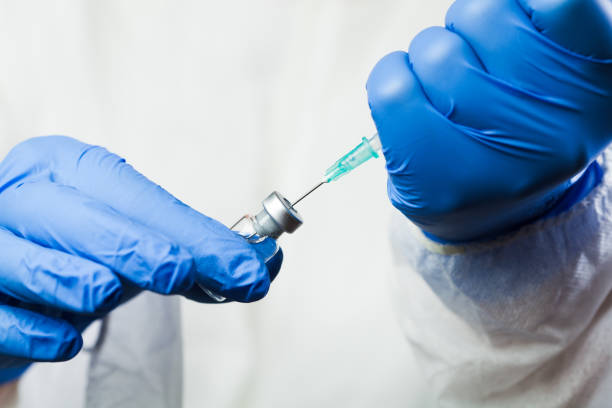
(277, 216)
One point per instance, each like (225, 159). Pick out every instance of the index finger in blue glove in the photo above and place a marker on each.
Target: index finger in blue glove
(44, 276)
(225, 262)
(34, 337)
(79, 225)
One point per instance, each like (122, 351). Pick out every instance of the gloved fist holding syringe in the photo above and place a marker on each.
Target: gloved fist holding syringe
(484, 123)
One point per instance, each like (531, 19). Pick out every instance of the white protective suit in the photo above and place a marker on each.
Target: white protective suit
(221, 103)
(522, 321)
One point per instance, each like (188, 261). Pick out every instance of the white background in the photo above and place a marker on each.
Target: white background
(222, 102)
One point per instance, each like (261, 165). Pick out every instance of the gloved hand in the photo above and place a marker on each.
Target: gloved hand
(484, 122)
(81, 231)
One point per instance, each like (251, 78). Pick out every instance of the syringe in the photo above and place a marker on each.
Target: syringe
(279, 216)
(364, 151)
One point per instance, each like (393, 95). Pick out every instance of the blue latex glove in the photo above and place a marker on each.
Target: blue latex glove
(485, 121)
(81, 231)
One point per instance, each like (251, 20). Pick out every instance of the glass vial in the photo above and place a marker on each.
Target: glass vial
(277, 217)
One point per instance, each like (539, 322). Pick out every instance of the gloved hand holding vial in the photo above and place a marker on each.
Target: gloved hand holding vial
(83, 232)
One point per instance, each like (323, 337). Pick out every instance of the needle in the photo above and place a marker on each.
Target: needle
(308, 193)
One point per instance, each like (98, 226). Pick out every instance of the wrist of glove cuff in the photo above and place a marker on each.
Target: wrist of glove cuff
(577, 191)
(552, 205)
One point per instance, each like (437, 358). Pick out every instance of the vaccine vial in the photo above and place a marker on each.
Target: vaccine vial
(275, 218)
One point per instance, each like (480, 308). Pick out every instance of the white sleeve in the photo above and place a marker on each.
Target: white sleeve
(522, 321)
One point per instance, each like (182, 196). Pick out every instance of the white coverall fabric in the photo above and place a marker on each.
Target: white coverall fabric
(134, 359)
(523, 321)
(135, 364)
